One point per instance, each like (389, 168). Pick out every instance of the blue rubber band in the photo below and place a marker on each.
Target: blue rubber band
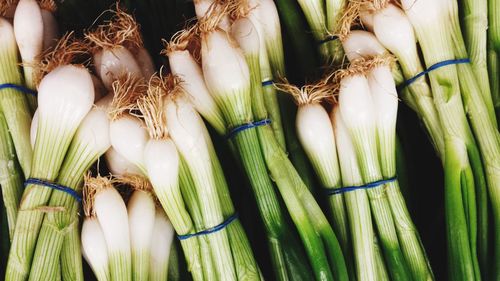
(328, 39)
(54, 186)
(210, 230)
(334, 191)
(244, 127)
(431, 68)
(17, 87)
(267, 83)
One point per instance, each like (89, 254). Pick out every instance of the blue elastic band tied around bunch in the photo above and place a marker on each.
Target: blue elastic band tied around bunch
(328, 39)
(17, 87)
(431, 68)
(267, 83)
(210, 230)
(54, 186)
(334, 191)
(247, 126)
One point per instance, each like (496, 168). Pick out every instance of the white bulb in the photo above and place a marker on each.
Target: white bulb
(115, 62)
(65, 95)
(112, 215)
(360, 43)
(94, 131)
(224, 66)
(94, 248)
(245, 33)
(355, 102)
(128, 137)
(315, 133)
(162, 163)
(394, 30)
(141, 217)
(28, 28)
(118, 165)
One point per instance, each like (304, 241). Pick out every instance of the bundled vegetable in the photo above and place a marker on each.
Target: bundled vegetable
(65, 97)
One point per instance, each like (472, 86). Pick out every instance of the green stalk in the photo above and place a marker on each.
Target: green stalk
(206, 189)
(274, 48)
(172, 202)
(334, 13)
(11, 179)
(420, 92)
(50, 149)
(382, 273)
(56, 224)
(457, 176)
(493, 70)
(314, 11)
(364, 142)
(191, 198)
(246, 265)
(474, 16)
(13, 103)
(494, 56)
(304, 210)
(173, 268)
(296, 153)
(286, 254)
(71, 256)
(483, 121)
(408, 235)
(438, 45)
(294, 25)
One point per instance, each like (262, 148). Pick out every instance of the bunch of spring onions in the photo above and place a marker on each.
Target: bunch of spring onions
(230, 75)
(69, 138)
(455, 103)
(213, 240)
(125, 241)
(353, 152)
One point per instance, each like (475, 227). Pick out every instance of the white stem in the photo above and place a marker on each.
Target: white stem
(141, 219)
(111, 213)
(359, 44)
(394, 30)
(161, 243)
(94, 248)
(111, 63)
(28, 29)
(119, 165)
(187, 69)
(128, 137)
(315, 133)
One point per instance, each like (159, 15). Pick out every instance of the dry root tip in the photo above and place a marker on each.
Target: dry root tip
(239, 9)
(151, 108)
(48, 5)
(215, 14)
(7, 8)
(122, 29)
(92, 186)
(69, 50)
(349, 19)
(136, 182)
(372, 6)
(127, 90)
(359, 66)
(308, 94)
(185, 39)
